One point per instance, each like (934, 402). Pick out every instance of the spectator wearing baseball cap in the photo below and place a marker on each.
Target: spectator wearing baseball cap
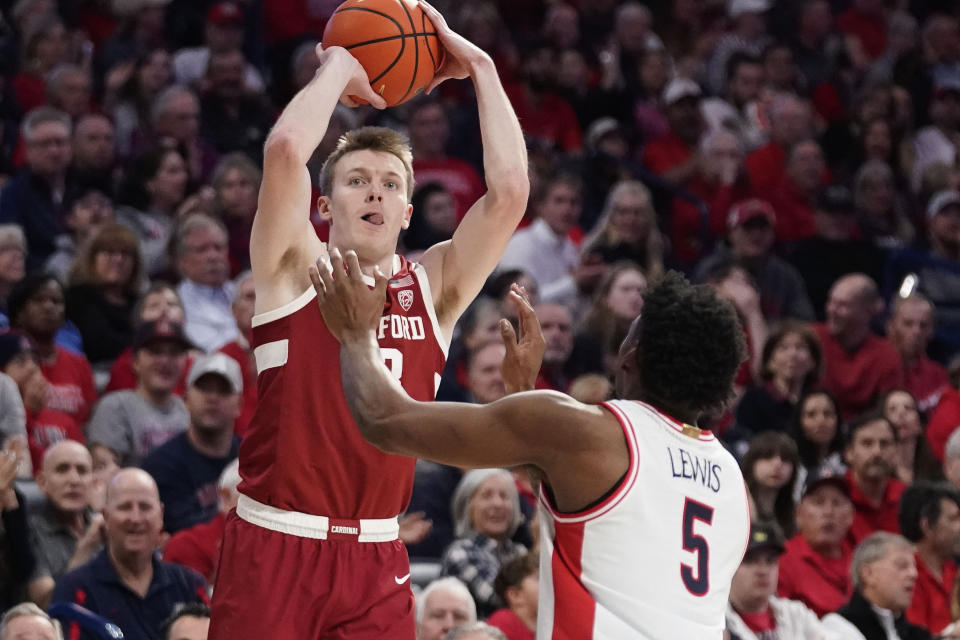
(134, 423)
(751, 235)
(188, 465)
(674, 156)
(815, 567)
(223, 31)
(934, 144)
(754, 611)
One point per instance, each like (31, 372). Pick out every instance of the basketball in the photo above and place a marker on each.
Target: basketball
(393, 40)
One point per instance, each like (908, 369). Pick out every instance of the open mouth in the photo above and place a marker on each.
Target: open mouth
(373, 218)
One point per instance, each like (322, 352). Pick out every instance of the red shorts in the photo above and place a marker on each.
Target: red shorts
(281, 585)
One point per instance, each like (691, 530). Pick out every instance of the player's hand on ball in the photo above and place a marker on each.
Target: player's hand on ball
(525, 346)
(351, 309)
(459, 52)
(358, 86)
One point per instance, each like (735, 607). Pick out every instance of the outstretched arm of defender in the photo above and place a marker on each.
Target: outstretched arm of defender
(571, 442)
(458, 268)
(282, 223)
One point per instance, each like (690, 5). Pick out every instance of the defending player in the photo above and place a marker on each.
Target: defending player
(644, 517)
(312, 550)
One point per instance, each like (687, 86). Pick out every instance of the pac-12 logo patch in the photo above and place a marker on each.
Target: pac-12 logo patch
(405, 298)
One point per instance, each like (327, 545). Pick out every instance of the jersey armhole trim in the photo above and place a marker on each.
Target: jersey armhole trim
(284, 310)
(619, 492)
(424, 283)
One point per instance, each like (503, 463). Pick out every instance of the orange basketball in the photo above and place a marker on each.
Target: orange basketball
(393, 40)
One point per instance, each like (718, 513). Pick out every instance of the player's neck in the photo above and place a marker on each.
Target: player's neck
(682, 415)
(367, 264)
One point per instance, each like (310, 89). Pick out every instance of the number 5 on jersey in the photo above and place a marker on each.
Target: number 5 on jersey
(697, 583)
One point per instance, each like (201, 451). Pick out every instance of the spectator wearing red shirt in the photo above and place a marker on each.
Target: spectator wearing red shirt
(36, 306)
(791, 120)
(674, 156)
(910, 329)
(545, 116)
(858, 366)
(795, 196)
(429, 129)
(517, 585)
(867, 22)
(930, 518)
(815, 569)
(239, 349)
(46, 44)
(871, 457)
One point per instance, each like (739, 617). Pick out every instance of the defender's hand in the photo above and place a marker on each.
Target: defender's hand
(525, 347)
(351, 309)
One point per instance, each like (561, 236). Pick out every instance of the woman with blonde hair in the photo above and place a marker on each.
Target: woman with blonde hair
(236, 182)
(104, 284)
(627, 229)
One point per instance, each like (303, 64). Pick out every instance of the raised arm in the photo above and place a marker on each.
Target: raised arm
(580, 448)
(281, 228)
(458, 268)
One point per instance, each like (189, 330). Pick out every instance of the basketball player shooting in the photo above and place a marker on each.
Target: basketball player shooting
(644, 517)
(312, 550)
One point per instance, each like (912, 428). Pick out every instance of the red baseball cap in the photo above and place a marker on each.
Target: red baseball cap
(225, 13)
(747, 210)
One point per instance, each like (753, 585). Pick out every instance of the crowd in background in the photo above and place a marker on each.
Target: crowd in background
(798, 156)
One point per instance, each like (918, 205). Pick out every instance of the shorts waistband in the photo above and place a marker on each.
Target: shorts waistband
(306, 525)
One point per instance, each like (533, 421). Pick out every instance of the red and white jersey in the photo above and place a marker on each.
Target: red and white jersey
(654, 559)
(303, 451)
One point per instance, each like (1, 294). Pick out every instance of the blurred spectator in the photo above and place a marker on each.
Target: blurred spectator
(304, 64)
(141, 29)
(754, 611)
(791, 121)
(69, 89)
(675, 155)
(884, 574)
(443, 605)
(486, 513)
(478, 325)
(548, 119)
(796, 195)
(434, 217)
(65, 533)
(153, 188)
(44, 426)
(719, 183)
(815, 44)
(566, 357)
(14, 536)
(951, 460)
(816, 430)
(429, 129)
(222, 32)
(484, 379)
(735, 110)
(517, 587)
(134, 423)
(188, 465)
(936, 273)
(866, 21)
(131, 89)
(127, 582)
(871, 454)
(104, 286)
(910, 329)
(175, 114)
(233, 118)
(476, 631)
(198, 547)
(236, 182)
(13, 417)
(33, 198)
(45, 45)
(938, 142)
(914, 459)
(545, 250)
(790, 366)
(94, 151)
(748, 35)
(930, 518)
(627, 230)
(36, 307)
(159, 302)
(239, 349)
(616, 304)
(780, 73)
(13, 254)
(27, 620)
(654, 70)
(881, 220)
(858, 365)
(85, 213)
(735, 285)
(837, 248)
(770, 471)
(433, 487)
(815, 568)
(189, 621)
(751, 225)
(201, 253)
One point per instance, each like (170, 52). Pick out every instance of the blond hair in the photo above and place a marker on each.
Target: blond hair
(374, 139)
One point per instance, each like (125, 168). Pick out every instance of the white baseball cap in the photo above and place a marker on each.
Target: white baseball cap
(739, 7)
(680, 88)
(219, 364)
(941, 200)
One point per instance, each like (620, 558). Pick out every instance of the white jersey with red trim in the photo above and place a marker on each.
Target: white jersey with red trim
(654, 559)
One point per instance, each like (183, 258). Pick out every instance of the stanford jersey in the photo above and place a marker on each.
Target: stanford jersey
(302, 451)
(653, 560)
